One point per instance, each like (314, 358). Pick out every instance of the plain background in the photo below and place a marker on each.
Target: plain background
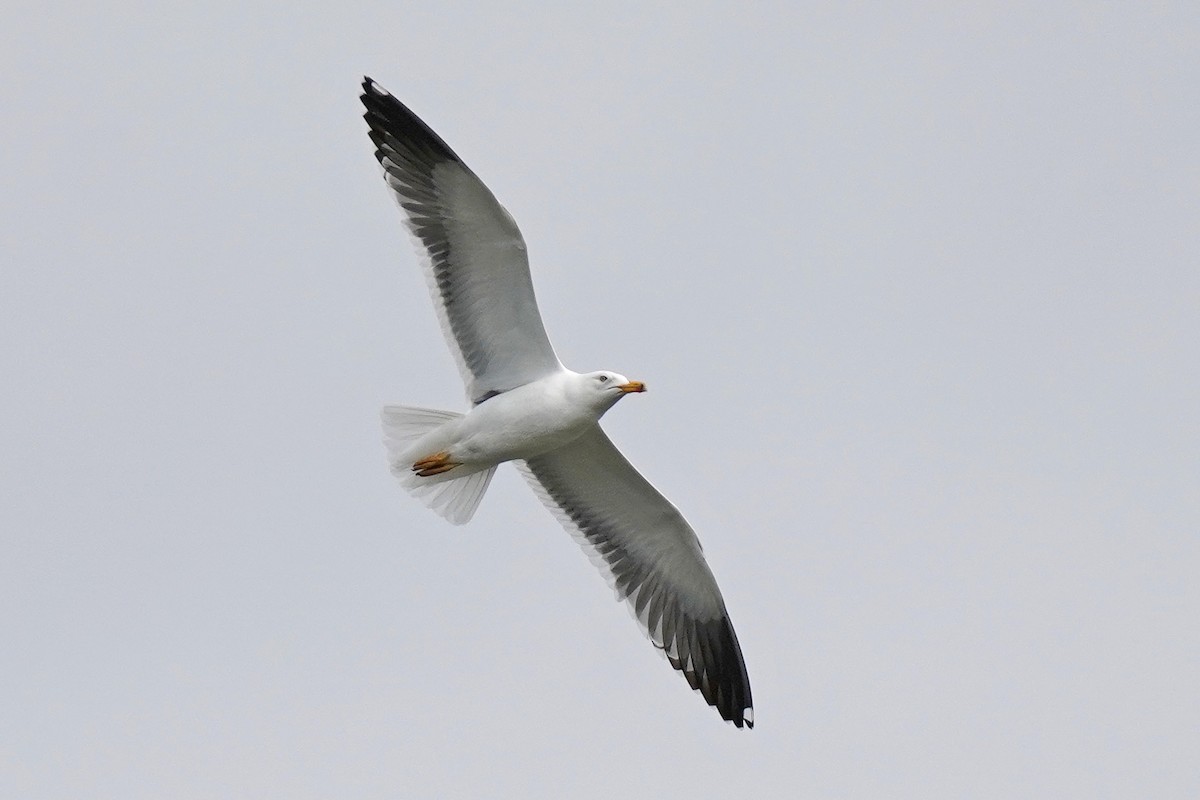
(915, 290)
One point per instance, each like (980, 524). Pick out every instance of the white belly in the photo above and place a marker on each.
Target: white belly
(519, 424)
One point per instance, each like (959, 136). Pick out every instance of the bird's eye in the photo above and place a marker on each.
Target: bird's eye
(602, 378)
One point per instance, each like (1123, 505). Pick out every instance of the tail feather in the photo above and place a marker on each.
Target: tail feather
(457, 499)
(455, 495)
(403, 425)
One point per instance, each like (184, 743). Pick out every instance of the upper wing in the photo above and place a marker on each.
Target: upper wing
(652, 558)
(476, 263)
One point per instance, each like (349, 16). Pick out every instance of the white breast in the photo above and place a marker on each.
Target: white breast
(524, 423)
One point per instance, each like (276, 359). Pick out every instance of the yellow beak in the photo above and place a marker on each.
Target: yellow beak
(632, 386)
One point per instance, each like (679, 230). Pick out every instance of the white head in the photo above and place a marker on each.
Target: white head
(604, 388)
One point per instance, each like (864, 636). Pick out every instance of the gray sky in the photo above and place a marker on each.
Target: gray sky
(916, 296)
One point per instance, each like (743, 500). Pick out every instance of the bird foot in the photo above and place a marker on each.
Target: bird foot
(435, 464)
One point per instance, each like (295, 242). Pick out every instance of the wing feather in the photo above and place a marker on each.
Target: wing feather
(474, 256)
(652, 559)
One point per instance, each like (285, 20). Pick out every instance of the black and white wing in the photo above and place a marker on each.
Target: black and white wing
(475, 257)
(652, 558)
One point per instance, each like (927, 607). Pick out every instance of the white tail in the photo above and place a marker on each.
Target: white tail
(455, 494)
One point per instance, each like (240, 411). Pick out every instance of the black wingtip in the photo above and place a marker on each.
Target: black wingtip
(725, 684)
(370, 87)
(387, 116)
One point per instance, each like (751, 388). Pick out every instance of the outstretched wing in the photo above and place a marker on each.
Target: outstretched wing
(475, 258)
(652, 558)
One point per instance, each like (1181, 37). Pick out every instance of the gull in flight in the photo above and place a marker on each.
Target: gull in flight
(526, 407)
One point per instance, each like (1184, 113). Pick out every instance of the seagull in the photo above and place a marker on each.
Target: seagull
(527, 408)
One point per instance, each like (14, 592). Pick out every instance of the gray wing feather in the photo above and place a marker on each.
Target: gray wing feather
(474, 255)
(652, 559)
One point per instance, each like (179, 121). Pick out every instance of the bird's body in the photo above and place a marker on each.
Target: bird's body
(522, 423)
(527, 408)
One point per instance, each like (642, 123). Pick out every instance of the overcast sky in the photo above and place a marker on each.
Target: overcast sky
(916, 294)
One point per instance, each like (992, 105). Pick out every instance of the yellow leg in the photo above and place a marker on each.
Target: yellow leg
(435, 464)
